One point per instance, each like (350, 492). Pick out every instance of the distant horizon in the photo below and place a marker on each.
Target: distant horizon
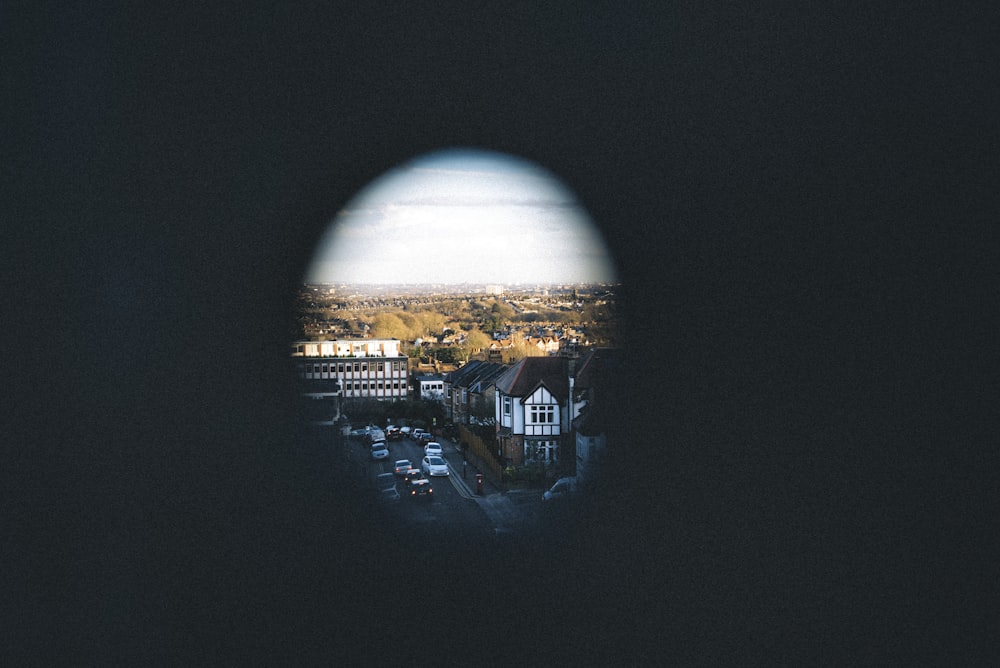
(500, 283)
(463, 216)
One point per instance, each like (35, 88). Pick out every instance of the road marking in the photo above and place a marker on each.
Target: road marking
(463, 489)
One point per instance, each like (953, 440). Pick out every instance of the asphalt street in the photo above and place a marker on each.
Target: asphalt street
(457, 497)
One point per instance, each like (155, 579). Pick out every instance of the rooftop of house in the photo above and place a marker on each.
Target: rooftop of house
(476, 371)
(524, 377)
(592, 364)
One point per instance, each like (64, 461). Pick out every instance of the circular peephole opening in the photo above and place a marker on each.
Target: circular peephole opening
(457, 324)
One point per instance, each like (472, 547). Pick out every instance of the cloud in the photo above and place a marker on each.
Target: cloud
(462, 217)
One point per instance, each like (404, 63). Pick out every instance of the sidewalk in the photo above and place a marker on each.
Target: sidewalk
(453, 455)
(508, 510)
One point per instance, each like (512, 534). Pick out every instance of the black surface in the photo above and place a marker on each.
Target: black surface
(799, 199)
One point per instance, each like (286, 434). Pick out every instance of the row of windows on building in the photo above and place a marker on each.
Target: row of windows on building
(350, 368)
(395, 387)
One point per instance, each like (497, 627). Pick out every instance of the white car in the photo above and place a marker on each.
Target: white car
(379, 451)
(563, 488)
(434, 465)
(433, 448)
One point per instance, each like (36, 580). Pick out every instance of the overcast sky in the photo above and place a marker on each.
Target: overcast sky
(463, 216)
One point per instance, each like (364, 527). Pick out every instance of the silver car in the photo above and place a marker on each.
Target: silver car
(433, 465)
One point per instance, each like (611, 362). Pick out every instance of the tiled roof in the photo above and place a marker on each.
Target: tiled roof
(474, 372)
(593, 362)
(524, 377)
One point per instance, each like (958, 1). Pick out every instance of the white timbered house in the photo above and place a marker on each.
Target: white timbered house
(532, 417)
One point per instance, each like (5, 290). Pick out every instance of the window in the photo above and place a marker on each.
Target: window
(506, 405)
(364, 367)
(340, 368)
(380, 369)
(356, 367)
(542, 414)
(325, 368)
(541, 451)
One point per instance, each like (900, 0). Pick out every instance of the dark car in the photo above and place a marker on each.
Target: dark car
(425, 438)
(385, 481)
(394, 434)
(412, 474)
(420, 488)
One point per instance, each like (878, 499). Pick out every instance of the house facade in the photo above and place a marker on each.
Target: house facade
(429, 386)
(532, 411)
(469, 392)
(363, 368)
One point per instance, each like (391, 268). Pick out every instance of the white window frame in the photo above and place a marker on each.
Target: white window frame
(542, 414)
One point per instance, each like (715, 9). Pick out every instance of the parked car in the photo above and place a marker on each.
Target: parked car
(433, 465)
(376, 435)
(380, 450)
(415, 434)
(433, 448)
(385, 481)
(420, 488)
(388, 495)
(562, 488)
(402, 466)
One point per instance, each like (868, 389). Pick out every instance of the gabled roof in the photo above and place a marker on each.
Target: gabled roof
(455, 377)
(593, 363)
(475, 372)
(522, 379)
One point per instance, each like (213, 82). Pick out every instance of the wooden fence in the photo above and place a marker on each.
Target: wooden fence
(481, 449)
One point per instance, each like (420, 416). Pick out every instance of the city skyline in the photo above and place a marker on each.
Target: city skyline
(463, 216)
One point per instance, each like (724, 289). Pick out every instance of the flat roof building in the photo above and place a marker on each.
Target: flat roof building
(364, 368)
